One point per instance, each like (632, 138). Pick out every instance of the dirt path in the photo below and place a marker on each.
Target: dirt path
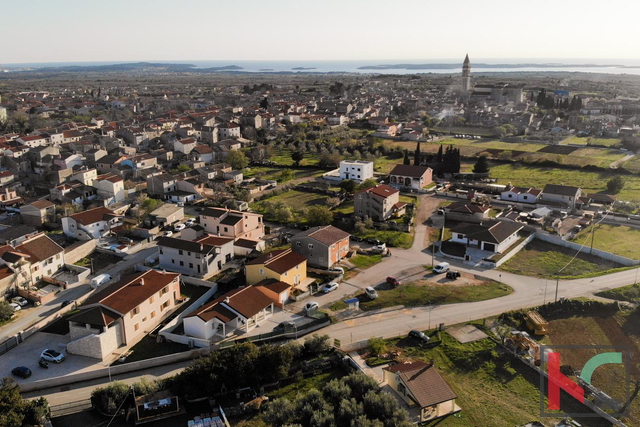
(428, 205)
(617, 163)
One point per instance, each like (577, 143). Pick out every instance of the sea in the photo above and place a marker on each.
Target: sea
(607, 66)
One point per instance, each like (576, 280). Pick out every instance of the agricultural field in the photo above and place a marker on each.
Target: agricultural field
(590, 140)
(544, 259)
(589, 182)
(265, 172)
(618, 239)
(282, 156)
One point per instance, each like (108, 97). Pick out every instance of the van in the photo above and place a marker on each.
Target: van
(443, 267)
(99, 280)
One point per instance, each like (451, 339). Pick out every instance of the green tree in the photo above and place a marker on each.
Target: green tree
(6, 311)
(107, 399)
(11, 404)
(367, 183)
(184, 168)
(283, 213)
(329, 160)
(237, 159)
(279, 412)
(615, 184)
(286, 175)
(319, 215)
(407, 160)
(317, 344)
(335, 391)
(482, 165)
(297, 157)
(348, 186)
(377, 346)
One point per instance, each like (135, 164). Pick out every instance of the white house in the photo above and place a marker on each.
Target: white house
(185, 145)
(34, 258)
(562, 196)
(521, 195)
(492, 237)
(356, 170)
(91, 224)
(242, 308)
(110, 187)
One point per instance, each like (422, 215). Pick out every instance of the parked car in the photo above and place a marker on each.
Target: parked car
(393, 281)
(337, 270)
(99, 280)
(284, 326)
(179, 227)
(21, 371)
(331, 286)
(168, 233)
(453, 274)
(443, 267)
(371, 293)
(15, 306)
(190, 222)
(67, 302)
(199, 209)
(20, 301)
(373, 241)
(180, 204)
(379, 248)
(355, 238)
(310, 307)
(52, 356)
(419, 335)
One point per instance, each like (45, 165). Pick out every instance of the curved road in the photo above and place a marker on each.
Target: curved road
(527, 291)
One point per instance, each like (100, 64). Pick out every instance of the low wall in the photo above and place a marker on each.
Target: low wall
(82, 272)
(114, 370)
(585, 249)
(79, 250)
(185, 339)
(515, 250)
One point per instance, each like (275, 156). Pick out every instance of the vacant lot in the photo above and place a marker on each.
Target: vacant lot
(492, 388)
(618, 239)
(543, 259)
(294, 199)
(590, 140)
(444, 291)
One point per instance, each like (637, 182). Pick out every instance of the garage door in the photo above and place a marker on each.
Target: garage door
(490, 247)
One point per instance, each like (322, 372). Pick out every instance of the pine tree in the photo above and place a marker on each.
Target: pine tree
(482, 165)
(416, 155)
(407, 160)
(440, 157)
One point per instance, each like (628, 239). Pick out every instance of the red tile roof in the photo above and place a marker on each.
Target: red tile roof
(279, 261)
(92, 216)
(423, 382)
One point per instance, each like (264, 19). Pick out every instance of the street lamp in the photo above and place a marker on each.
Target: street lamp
(433, 245)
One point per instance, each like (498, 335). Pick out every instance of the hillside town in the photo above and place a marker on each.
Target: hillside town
(365, 232)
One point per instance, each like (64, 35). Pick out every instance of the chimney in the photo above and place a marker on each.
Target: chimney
(226, 300)
(142, 282)
(431, 363)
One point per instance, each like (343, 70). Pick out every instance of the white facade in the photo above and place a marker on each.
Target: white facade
(196, 263)
(356, 170)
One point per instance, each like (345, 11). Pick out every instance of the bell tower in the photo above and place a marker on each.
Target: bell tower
(466, 76)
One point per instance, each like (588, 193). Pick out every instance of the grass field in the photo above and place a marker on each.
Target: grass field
(618, 239)
(264, 172)
(605, 142)
(544, 259)
(282, 156)
(295, 200)
(589, 182)
(422, 292)
(492, 388)
(365, 261)
(394, 239)
(630, 293)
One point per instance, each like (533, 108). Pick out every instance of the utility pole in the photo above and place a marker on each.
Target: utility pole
(557, 285)
(593, 237)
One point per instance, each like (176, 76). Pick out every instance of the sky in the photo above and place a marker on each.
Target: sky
(132, 30)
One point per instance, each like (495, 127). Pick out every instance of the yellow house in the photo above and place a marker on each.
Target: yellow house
(419, 384)
(283, 265)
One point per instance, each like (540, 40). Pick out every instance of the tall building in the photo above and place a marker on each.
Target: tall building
(466, 76)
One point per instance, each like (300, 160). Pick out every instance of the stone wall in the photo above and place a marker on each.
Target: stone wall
(95, 346)
(79, 250)
(76, 332)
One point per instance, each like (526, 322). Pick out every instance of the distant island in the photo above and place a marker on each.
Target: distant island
(265, 69)
(481, 65)
(138, 67)
(304, 68)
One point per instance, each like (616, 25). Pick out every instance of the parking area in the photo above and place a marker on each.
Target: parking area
(28, 354)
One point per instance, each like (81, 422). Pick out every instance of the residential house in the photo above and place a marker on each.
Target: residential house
(6, 177)
(411, 176)
(122, 313)
(282, 265)
(494, 237)
(90, 224)
(33, 141)
(69, 161)
(240, 309)
(229, 130)
(185, 145)
(38, 212)
(356, 170)
(202, 153)
(73, 192)
(466, 212)
(167, 214)
(110, 187)
(161, 184)
(16, 234)
(521, 195)
(562, 196)
(419, 384)
(378, 203)
(9, 197)
(110, 163)
(34, 258)
(204, 256)
(236, 224)
(322, 246)
(86, 176)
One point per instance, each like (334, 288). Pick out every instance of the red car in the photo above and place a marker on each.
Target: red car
(393, 281)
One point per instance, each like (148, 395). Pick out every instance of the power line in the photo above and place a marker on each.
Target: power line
(593, 230)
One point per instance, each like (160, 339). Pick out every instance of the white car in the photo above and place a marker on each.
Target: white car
(179, 227)
(15, 306)
(190, 222)
(331, 286)
(371, 293)
(310, 307)
(20, 301)
(168, 233)
(52, 356)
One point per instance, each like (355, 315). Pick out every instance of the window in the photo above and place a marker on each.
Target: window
(161, 251)
(226, 229)
(190, 265)
(310, 246)
(298, 244)
(57, 256)
(151, 299)
(164, 305)
(402, 389)
(188, 253)
(153, 314)
(50, 260)
(144, 319)
(49, 272)
(173, 261)
(135, 311)
(180, 251)
(182, 263)
(136, 327)
(164, 290)
(262, 271)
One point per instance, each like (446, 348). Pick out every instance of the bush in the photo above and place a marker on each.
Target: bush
(6, 311)
(109, 398)
(279, 412)
(317, 344)
(377, 346)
